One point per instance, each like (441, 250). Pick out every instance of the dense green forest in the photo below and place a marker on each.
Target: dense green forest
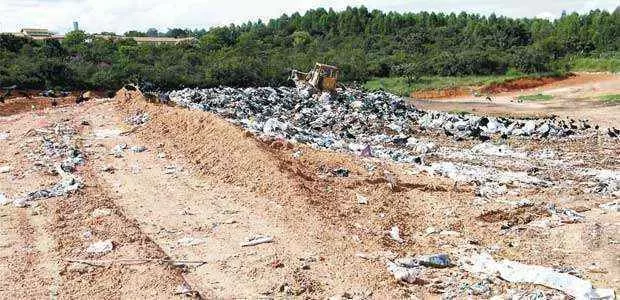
(363, 43)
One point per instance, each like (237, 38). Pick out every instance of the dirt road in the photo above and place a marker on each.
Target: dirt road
(179, 209)
(575, 97)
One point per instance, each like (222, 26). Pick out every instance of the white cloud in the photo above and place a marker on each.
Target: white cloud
(122, 15)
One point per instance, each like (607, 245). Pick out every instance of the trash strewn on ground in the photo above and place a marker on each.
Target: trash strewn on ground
(60, 155)
(100, 247)
(138, 119)
(257, 240)
(190, 241)
(101, 212)
(4, 200)
(137, 149)
(516, 272)
(395, 234)
(611, 206)
(107, 133)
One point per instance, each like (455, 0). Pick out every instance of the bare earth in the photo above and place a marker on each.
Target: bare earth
(575, 97)
(180, 210)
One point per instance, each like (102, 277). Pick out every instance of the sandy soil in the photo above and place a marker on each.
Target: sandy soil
(575, 97)
(203, 186)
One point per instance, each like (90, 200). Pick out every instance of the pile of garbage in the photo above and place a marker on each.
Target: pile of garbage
(352, 119)
(383, 125)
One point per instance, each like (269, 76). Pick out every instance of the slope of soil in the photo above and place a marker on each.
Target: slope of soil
(519, 84)
(314, 206)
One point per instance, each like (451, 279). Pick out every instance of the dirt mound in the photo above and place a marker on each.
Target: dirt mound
(520, 84)
(298, 176)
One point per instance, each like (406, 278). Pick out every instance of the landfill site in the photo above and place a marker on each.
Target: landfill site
(293, 192)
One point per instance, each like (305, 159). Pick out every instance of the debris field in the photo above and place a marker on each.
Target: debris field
(274, 192)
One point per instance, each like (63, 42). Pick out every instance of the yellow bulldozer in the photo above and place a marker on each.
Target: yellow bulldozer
(322, 77)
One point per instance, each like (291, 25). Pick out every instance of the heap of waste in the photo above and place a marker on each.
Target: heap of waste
(383, 125)
(352, 119)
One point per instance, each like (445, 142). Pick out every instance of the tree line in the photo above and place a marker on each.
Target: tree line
(362, 43)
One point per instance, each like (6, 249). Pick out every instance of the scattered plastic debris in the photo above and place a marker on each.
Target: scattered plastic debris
(108, 169)
(516, 272)
(361, 199)
(101, 247)
(101, 212)
(170, 169)
(190, 241)
(118, 150)
(341, 172)
(395, 234)
(565, 215)
(478, 289)
(435, 261)
(606, 182)
(5, 169)
(138, 119)
(4, 200)
(611, 206)
(257, 240)
(107, 133)
(137, 149)
(405, 274)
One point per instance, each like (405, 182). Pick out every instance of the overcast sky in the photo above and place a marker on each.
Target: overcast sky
(123, 15)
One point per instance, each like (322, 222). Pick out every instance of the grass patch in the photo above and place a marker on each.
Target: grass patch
(596, 64)
(611, 99)
(400, 86)
(536, 97)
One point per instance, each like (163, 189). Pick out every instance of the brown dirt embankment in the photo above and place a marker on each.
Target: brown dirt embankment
(304, 186)
(494, 88)
(521, 84)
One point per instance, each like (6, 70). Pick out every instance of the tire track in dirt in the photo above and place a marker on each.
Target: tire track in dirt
(72, 218)
(171, 207)
(24, 271)
(38, 240)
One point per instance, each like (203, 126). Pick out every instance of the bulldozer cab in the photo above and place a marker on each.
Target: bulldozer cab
(323, 77)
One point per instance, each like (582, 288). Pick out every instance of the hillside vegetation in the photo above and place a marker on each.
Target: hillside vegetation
(364, 44)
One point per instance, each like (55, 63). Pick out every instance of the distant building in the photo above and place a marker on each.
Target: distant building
(45, 34)
(151, 40)
(39, 34)
(75, 26)
(162, 40)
